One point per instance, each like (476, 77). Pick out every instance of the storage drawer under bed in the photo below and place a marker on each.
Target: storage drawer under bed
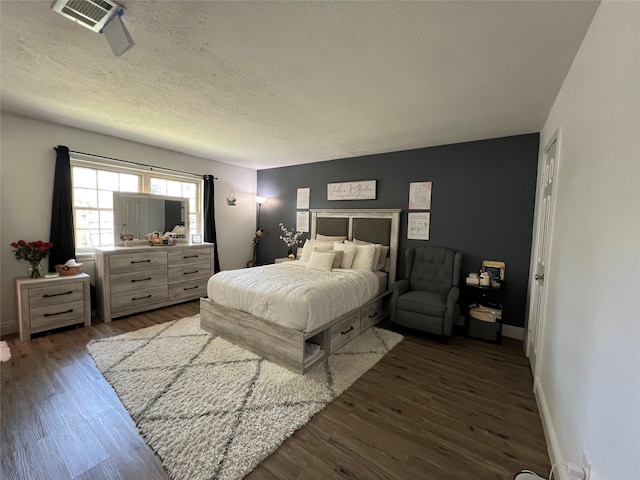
(343, 331)
(372, 314)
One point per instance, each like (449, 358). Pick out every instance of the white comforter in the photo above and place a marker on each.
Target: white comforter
(292, 295)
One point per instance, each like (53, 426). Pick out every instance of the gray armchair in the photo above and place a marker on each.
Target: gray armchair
(426, 298)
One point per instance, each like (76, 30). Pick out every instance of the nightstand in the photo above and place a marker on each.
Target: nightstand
(284, 259)
(48, 303)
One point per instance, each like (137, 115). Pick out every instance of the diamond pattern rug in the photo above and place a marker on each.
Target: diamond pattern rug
(212, 410)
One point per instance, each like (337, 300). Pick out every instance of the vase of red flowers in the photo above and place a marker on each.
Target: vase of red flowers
(34, 253)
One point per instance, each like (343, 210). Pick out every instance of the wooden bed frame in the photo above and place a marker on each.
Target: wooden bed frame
(286, 346)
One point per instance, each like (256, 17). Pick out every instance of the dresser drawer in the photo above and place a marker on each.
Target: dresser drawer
(128, 282)
(186, 273)
(53, 316)
(121, 302)
(55, 294)
(344, 331)
(138, 261)
(192, 289)
(372, 314)
(190, 256)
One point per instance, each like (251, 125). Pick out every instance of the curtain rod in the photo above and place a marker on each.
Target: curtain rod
(151, 167)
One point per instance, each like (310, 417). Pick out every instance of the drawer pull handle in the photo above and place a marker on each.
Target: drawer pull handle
(59, 313)
(344, 332)
(190, 288)
(190, 273)
(190, 256)
(374, 315)
(148, 260)
(141, 298)
(140, 279)
(49, 295)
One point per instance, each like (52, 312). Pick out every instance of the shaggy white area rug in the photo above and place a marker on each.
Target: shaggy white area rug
(212, 410)
(5, 352)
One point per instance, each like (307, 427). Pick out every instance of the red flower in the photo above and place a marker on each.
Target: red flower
(33, 252)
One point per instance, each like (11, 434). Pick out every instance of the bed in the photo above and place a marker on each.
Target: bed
(289, 314)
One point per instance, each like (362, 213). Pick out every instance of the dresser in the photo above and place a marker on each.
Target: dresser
(138, 278)
(48, 303)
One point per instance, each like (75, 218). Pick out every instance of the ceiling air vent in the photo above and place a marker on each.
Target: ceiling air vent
(93, 14)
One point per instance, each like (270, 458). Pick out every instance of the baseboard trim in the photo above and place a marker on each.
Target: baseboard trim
(7, 328)
(513, 332)
(553, 446)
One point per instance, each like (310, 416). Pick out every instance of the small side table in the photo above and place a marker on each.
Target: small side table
(284, 259)
(487, 296)
(48, 303)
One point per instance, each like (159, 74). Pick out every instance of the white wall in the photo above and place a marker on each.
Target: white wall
(26, 189)
(590, 366)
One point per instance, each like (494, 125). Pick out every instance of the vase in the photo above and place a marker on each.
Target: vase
(35, 270)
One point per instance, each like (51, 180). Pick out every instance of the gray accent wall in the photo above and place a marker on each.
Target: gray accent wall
(482, 202)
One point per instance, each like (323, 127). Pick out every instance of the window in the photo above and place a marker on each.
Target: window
(93, 187)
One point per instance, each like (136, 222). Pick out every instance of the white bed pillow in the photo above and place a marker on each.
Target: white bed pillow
(321, 261)
(330, 238)
(336, 260)
(349, 250)
(381, 253)
(382, 258)
(310, 245)
(364, 258)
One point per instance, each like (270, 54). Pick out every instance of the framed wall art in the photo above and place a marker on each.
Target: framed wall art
(362, 190)
(418, 225)
(302, 198)
(420, 196)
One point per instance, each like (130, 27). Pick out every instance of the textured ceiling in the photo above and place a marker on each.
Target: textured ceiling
(264, 84)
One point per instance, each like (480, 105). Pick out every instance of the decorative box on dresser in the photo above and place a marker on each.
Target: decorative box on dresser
(138, 278)
(48, 303)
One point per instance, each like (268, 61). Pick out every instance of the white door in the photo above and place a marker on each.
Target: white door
(536, 316)
(133, 216)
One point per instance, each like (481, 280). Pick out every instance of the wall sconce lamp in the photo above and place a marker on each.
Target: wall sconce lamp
(231, 199)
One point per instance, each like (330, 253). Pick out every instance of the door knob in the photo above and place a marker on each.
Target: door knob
(539, 277)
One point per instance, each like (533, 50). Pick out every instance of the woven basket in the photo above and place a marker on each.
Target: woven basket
(65, 270)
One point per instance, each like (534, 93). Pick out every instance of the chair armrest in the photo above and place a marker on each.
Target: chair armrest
(397, 288)
(453, 295)
(400, 287)
(450, 311)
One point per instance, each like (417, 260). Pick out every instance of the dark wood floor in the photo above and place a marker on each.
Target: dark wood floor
(426, 411)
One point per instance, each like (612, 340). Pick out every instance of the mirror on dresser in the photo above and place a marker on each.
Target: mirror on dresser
(136, 214)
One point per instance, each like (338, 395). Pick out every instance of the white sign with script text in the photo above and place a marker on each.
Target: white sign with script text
(364, 190)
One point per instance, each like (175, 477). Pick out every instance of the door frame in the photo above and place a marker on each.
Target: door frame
(538, 219)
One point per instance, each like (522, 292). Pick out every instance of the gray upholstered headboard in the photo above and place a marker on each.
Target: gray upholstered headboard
(375, 226)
